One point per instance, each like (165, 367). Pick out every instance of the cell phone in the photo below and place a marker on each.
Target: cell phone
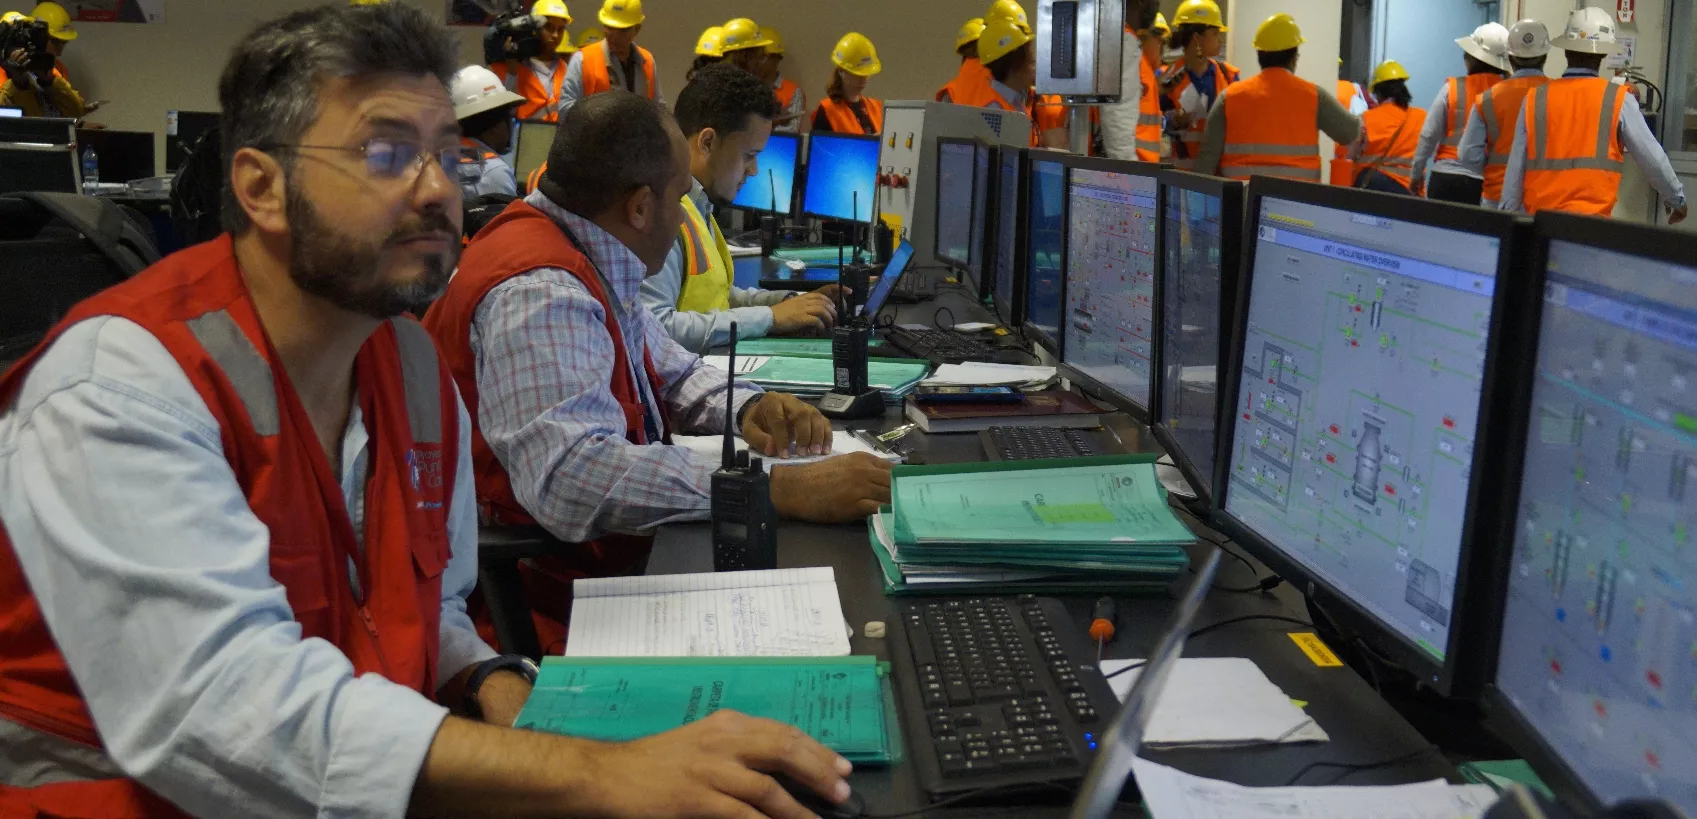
(951, 393)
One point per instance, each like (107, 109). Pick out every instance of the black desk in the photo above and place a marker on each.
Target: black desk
(1363, 728)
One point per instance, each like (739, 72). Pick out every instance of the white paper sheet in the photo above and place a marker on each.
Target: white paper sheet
(983, 374)
(1218, 701)
(774, 613)
(711, 448)
(1173, 794)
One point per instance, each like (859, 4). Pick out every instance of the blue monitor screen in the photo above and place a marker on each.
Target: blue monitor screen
(954, 186)
(887, 282)
(1047, 237)
(777, 173)
(1599, 631)
(841, 171)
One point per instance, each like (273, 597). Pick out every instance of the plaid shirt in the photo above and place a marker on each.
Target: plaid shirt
(545, 404)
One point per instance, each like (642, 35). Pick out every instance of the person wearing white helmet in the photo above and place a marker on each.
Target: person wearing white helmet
(1579, 159)
(1486, 51)
(1490, 126)
(484, 107)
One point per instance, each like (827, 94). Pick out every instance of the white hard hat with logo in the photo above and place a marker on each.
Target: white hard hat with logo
(476, 89)
(1528, 39)
(1487, 44)
(1590, 30)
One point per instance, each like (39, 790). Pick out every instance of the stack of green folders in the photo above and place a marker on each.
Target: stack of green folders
(844, 702)
(811, 376)
(1075, 524)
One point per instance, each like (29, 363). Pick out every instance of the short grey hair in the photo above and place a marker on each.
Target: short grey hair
(608, 146)
(270, 87)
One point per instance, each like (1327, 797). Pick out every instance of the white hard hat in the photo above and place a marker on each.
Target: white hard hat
(476, 89)
(1528, 39)
(1590, 30)
(1487, 44)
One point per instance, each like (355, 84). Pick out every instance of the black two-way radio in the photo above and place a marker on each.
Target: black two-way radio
(771, 224)
(745, 526)
(851, 396)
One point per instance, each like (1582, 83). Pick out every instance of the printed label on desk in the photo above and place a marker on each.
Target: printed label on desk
(1074, 513)
(1316, 650)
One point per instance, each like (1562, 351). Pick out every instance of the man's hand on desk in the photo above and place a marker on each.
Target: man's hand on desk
(843, 489)
(779, 420)
(804, 315)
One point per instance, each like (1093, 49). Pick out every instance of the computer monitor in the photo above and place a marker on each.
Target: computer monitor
(1046, 236)
(887, 280)
(183, 129)
(125, 156)
(1007, 268)
(980, 221)
(1110, 280)
(1201, 222)
(535, 140)
(772, 188)
(1596, 679)
(1363, 446)
(842, 177)
(11, 113)
(39, 154)
(956, 181)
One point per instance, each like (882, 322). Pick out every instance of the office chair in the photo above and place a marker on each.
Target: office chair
(499, 551)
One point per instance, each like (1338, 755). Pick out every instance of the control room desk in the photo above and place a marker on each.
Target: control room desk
(1363, 728)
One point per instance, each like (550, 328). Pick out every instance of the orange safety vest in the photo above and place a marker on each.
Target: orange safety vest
(516, 242)
(1499, 109)
(535, 179)
(596, 76)
(1190, 139)
(1392, 133)
(541, 103)
(787, 89)
(1047, 113)
(842, 119)
(1149, 119)
(1464, 92)
(971, 81)
(1272, 128)
(1573, 151)
(1343, 170)
(196, 303)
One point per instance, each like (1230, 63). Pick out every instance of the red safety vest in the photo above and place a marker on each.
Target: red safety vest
(597, 78)
(1499, 110)
(541, 102)
(842, 119)
(1190, 139)
(969, 82)
(1392, 134)
(1573, 152)
(1272, 128)
(198, 306)
(1464, 92)
(516, 242)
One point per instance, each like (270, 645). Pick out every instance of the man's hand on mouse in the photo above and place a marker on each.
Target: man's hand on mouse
(843, 489)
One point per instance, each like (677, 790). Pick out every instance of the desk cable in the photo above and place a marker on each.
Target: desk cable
(1353, 768)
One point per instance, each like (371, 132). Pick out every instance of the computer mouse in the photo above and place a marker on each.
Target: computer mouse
(852, 808)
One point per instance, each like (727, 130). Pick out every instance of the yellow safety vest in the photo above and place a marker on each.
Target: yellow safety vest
(707, 264)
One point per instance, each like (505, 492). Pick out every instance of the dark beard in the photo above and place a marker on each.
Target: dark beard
(346, 271)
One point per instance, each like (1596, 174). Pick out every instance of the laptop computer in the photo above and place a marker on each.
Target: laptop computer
(887, 280)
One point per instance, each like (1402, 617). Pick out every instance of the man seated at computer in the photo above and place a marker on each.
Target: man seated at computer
(236, 492)
(726, 116)
(576, 389)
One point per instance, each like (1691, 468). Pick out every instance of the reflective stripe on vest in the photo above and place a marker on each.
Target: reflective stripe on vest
(242, 364)
(1463, 92)
(1499, 111)
(1272, 128)
(31, 758)
(1147, 137)
(540, 103)
(1572, 165)
(706, 283)
(1391, 134)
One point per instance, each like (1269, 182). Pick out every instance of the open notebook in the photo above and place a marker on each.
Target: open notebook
(772, 613)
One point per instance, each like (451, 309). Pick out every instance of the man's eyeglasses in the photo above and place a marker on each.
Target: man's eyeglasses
(387, 158)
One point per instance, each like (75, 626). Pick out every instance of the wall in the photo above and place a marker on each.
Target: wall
(1321, 22)
(146, 70)
(1421, 35)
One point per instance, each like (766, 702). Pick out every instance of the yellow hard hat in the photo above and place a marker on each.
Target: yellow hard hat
(743, 33)
(621, 13)
(711, 43)
(367, 2)
(1389, 70)
(774, 42)
(11, 16)
(969, 33)
(58, 21)
(552, 8)
(1008, 10)
(1278, 33)
(565, 46)
(1001, 37)
(589, 37)
(1200, 13)
(855, 54)
(1161, 24)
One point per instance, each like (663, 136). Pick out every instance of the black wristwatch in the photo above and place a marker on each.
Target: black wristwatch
(516, 663)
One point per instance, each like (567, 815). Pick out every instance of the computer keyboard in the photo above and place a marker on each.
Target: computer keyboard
(997, 692)
(1031, 443)
(939, 346)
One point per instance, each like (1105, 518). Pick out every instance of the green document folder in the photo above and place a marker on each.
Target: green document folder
(808, 347)
(844, 702)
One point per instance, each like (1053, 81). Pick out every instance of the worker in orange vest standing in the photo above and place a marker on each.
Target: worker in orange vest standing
(1490, 128)
(1574, 133)
(792, 101)
(540, 78)
(972, 72)
(1270, 124)
(614, 62)
(1384, 157)
(846, 109)
(1197, 81)
(1009, 54)
(1353, 99)
(1486, 52)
